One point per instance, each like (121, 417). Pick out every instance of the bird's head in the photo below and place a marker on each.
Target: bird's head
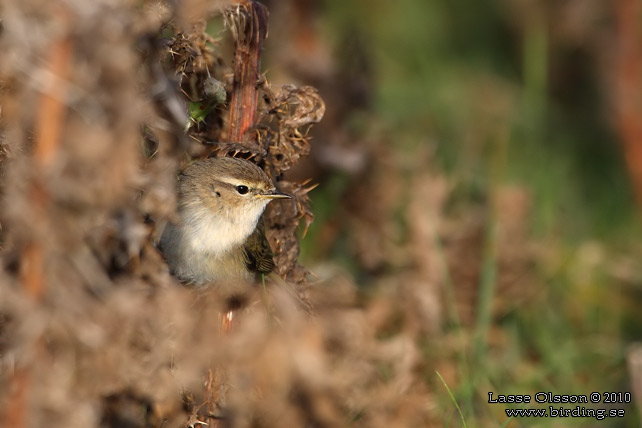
(233, 188)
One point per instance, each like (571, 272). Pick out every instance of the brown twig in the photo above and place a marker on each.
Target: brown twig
(50, 119)
(51, 109)
(248, 24)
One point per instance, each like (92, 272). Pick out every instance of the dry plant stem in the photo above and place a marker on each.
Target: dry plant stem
(628, 104)
(48, 130)
(51, 110)
(250, 29)
(49, 126)
(251, 24)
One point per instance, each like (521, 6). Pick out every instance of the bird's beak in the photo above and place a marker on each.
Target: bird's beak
(273, 194)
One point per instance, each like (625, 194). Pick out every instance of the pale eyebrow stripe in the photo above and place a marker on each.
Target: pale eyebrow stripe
(234, 182)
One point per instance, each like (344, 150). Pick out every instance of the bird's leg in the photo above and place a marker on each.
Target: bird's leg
(226, 325)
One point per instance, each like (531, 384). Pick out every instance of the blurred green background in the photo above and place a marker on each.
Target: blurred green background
(490, 95)
(443, 68)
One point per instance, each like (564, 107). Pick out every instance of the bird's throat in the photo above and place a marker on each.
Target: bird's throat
(217, 234)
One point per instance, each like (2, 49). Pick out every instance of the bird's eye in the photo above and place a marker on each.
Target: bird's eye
(242, 189)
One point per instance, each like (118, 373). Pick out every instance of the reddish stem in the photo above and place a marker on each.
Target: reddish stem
(247, 64)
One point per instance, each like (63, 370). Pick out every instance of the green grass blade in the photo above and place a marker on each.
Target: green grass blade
(452, 397)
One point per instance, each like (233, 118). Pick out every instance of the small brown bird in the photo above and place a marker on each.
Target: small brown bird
(220, 238)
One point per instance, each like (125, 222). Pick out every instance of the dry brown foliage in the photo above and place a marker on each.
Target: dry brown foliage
(93, 329)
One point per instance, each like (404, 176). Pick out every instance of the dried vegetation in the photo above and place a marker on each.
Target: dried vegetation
(101, 102)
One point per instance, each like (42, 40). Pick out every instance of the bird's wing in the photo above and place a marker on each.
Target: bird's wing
(257, 251)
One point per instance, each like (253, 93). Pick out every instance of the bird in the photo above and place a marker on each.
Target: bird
(219, 238)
